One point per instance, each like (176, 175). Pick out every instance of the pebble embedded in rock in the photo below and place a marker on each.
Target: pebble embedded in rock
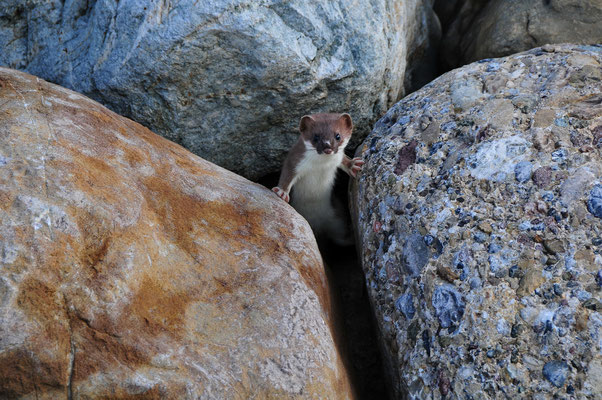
(592, 304)
(485, 227)
(494, 248)
(406, 157)
(597, 137)
(556, 372)
(557, 289)
(594, 203)
(542, 176)
(532, 279)
(526, 103)
(426, 341)
(494, 159)
(559, 155)
(415, 254)
(447, 273)
(522, 171)
(405, 304)
(466, 93)
(480, 237)
(517, 330)
(554, 246)
(449, 305)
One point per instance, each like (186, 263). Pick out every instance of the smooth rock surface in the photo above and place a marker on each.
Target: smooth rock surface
(131, 268)
(504, 192)
(227, 79)
(478, 29)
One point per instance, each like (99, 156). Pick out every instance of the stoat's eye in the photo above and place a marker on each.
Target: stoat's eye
(337, 137)
(316, 138)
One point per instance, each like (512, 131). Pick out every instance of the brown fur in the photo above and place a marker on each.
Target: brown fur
(311, 167)
(316, 128)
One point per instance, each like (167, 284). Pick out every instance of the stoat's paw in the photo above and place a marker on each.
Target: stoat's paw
(356, 166)
(281, 193)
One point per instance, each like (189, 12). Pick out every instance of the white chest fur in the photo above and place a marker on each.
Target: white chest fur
(315, 175)
(312, 188)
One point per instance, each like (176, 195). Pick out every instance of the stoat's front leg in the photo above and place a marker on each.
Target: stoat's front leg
(352, 165)
(285, 183)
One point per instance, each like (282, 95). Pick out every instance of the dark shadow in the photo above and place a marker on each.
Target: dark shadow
(355, 323)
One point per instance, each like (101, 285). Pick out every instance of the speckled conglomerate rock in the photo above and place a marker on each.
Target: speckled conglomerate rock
(479, 218)
(131, 268)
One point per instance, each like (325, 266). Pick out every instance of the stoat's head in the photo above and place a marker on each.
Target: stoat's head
(326, 133)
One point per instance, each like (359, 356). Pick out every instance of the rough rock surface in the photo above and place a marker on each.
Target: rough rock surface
(478, 29)
(130, 268)
(478, 215)
(227, 79)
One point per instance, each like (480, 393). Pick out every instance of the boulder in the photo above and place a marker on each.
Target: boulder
(478, 219)
(229, 80)
(130, 267)
(478, 29)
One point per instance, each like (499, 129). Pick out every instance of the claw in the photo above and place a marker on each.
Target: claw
(281, 193)
(356, 166)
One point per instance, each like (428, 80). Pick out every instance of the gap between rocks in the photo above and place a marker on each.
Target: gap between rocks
(355, 323)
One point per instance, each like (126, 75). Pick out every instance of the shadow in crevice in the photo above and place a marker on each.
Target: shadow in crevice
(358, 325)
(357, 331)
(356, 328)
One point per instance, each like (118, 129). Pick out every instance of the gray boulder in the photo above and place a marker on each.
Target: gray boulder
(497, 208)
(478, 29)
(230, 79)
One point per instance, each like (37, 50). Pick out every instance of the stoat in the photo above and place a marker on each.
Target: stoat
(311, 166)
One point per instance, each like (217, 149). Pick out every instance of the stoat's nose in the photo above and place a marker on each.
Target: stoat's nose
(328, 151)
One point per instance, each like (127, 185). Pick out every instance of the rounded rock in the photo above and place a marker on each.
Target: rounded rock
(449, 305)
(230, 79)
(556, 372)
(126, 279)
(479, 144)
(594, 203)
(522, 171)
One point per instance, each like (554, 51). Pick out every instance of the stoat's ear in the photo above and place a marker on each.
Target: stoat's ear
(306, 123)
(345, 121)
